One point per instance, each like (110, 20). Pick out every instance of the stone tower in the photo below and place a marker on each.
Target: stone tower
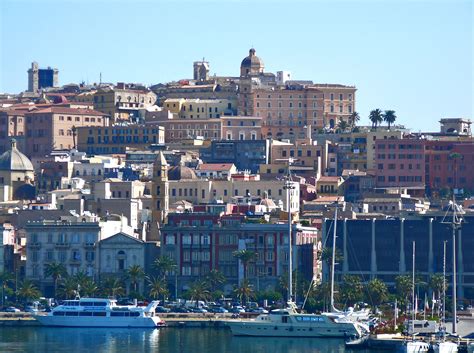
(160, 194)
(33, 77)
(201, 70)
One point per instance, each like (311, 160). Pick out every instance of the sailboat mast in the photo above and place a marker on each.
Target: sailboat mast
(444, 287)
(333, 260)
(413, 293)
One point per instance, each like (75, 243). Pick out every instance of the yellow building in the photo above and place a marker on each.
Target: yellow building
(201, 108)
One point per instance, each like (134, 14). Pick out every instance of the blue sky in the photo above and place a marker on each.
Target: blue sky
(415, 57)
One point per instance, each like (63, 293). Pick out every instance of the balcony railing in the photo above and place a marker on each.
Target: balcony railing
(62, 245)
(35, 245)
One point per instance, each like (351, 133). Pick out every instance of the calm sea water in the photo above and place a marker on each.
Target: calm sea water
(167, 340)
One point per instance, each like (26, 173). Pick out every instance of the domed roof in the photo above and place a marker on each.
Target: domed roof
(252, 60)
(14, 160)
(181, 172)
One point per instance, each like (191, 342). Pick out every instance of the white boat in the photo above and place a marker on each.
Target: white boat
(289, 323)
(99, 312)
(445, 347)
(415, 347)
(470, 348)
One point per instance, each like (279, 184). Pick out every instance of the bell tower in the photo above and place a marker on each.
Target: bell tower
(160, 194)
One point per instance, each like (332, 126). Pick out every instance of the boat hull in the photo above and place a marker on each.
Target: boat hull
(242, 328)
(445, 347)
(64, 321)
(415, 347)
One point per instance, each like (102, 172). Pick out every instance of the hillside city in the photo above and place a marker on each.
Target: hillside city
(184, 189)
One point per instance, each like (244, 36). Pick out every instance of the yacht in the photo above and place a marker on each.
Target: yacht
(99, 312)
(445, 347)
(415, 346)
(289, 323)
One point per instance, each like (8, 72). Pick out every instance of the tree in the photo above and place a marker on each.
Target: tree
(134, 274)
(164, 265)
(438, 284)
(389, 117)
(377, 292)
(215, 279)
(403, 286)
(57, 271)
(326, 256)
(89, 288)
(28, 291)
(157, 287)
(112, 287)
(245, 256)
(199, 291)
(68, 288)
(6, 278)
(354, 119)
(244, 292)
(375, 117)
(342, 124)
(351, 289)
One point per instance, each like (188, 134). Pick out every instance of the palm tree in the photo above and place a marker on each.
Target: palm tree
(89, 288)
(326, 256)
(377, 291)
(134, 273)
(389, 117)
(81, 279)
(28, 291)
(164, 265)
(68, 288)
(215, 279)
(112, 287)
(245, 256)
(354, 119)
(403, 286)
(57, 271)
(199, 291)
(342, 124)
(6, 278)
(375, 117)
(157, 287)
(438, 284)
(351, 289)
(244, 292)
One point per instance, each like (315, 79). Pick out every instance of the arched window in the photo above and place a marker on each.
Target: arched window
(121, 257)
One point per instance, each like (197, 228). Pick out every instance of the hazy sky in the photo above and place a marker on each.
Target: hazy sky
(415, 57)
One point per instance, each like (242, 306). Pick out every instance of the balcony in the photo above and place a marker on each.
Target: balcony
(35, 245)
(62, 245)
(89, 244)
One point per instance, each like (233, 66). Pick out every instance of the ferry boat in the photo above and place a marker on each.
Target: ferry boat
(289, 323)
(99, 312)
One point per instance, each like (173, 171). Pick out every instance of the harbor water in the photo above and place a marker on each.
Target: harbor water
(166, 340)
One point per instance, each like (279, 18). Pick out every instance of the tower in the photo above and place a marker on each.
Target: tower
(33, 77)
(160, 194)
(201, 70)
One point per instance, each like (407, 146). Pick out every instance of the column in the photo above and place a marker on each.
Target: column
(402, 268)
(373, 257)
(430, 248)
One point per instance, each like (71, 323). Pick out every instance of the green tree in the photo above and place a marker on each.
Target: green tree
(164, 265)
(112, 287)
(403, 287)
(245, 256)
(28, 291)
(438, 284)
(56, 271)
(199, 291)
(389, 117)
(68, 288)
(326, 256)
(244, 292)
(376, 117)
(354, 119)
(351, 289)
(215, 279)
(134, 274)
(377, 292)
(157, 287)
(6, 278)
(342, 124)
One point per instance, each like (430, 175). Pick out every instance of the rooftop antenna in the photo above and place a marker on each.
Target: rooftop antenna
(100, 79)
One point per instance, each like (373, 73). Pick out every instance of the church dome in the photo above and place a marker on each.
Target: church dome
(14, 160)
(252, 64)
(181, 172)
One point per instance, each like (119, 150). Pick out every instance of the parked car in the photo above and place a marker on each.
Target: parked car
(199, 310)
(237, 310)
(31, 309)
(12, 309)
(259, 310)
(162, 309)
(181, 309)
(219, 310)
